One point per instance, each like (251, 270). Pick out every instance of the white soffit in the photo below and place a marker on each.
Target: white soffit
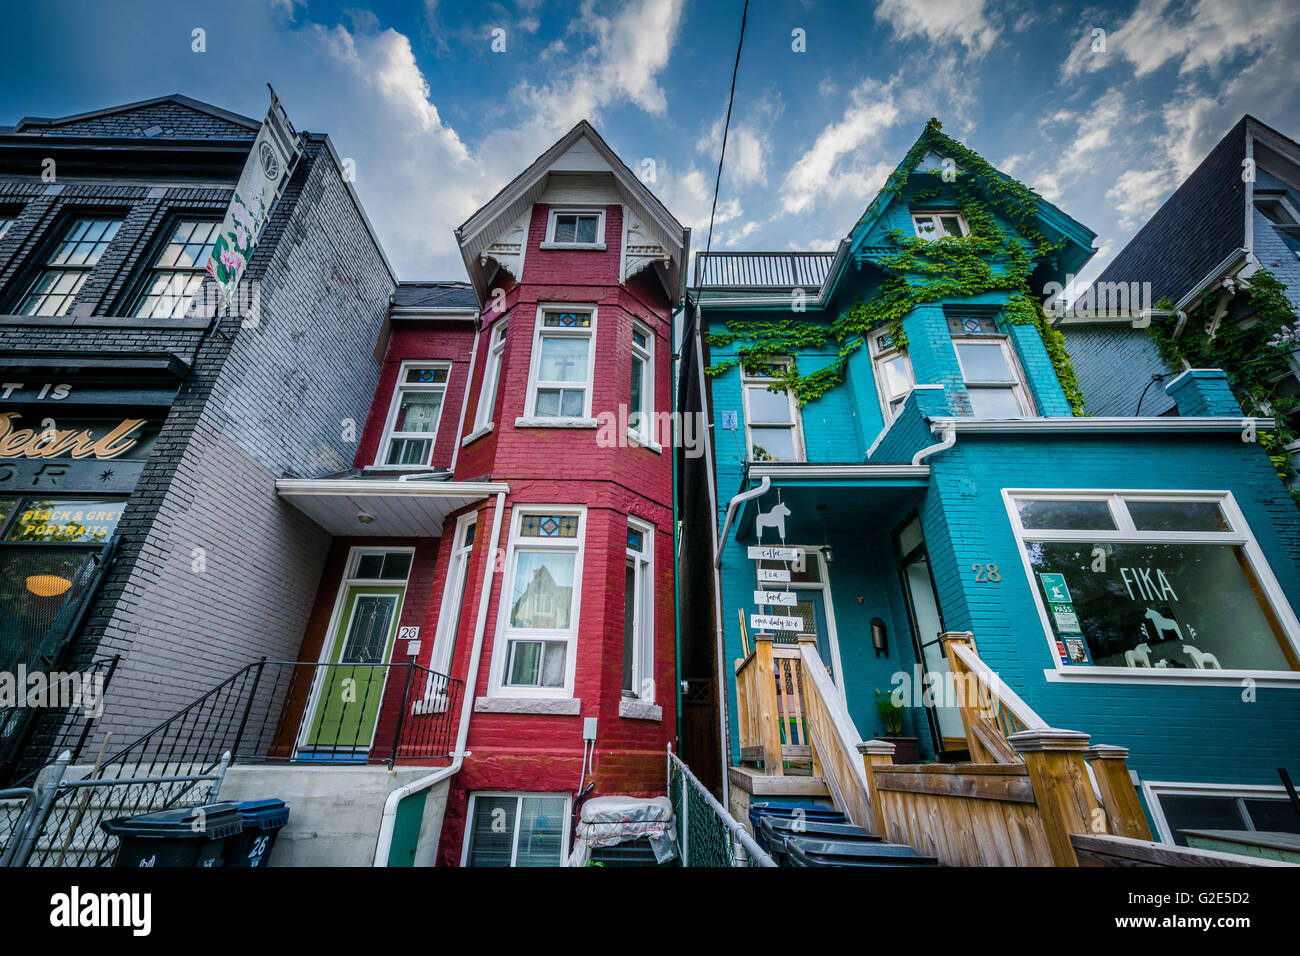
(401, 509)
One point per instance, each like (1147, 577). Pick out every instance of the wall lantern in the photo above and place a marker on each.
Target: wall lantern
(366, 518)
(879, 637)
(47, 585)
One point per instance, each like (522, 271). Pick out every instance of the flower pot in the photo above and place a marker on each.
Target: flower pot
(904, 748)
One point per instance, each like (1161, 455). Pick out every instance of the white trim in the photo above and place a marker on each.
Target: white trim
(795, 424)
(493, 367)
(519, 806)
(574, 210)
(879, 356)
(399, 386)
(1240, 536)
(453, 594)
(530, 418)
(1153, 789)
(643, 627)
(933, 215)
(759, 469)
(646, 353)
(464, 397)
(388, 487)
(505, 634)
(1198, 423)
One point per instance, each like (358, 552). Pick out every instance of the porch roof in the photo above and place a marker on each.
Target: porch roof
(400, 509)
(830, 497)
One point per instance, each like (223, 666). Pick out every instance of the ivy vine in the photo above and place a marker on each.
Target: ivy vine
(1251, 341)
(920, 271)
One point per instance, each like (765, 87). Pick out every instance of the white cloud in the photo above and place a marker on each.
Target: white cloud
(747, 150)
(1137, 193)
(940, 21)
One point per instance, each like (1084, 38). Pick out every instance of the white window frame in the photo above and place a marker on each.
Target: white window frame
(519, 804)
(643, 628)
(1017, 384)
(879, 356)
(1153, 790)
(1281, 199)
(395, 404)
(1240, 536)
(535, 384)
(555, 212)
(934, 216)
(643, 432)
(453, 593)
(747, 382)
(506, 634)
(487, 396)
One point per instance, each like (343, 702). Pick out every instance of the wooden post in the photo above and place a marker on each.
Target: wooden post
(969, 708)
(1118, 795)
(766, 681)
(1062, 791)
(876, 753)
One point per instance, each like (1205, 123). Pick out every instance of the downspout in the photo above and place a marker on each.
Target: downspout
(466, 707)
(464, 401)
(732, 505)
(947, 435)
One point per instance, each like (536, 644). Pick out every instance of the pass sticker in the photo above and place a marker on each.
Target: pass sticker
(1066, 618)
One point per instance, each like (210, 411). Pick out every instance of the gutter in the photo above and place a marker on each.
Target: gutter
(1116, 424)
(732, 505)
(389, 820)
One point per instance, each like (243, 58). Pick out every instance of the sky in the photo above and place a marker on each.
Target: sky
(439, 104)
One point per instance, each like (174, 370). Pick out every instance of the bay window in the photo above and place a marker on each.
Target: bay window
(563, 363)
(412, 427)
(538, 625)
(1160, 583)
(989, 368)
(487, 398)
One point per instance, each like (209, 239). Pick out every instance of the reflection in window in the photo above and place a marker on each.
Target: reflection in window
(517, 830)
(1070, 515)
(771, 420)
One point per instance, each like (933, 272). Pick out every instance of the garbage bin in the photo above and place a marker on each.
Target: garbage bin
(778, 830)
(820, 851)
(186, 836)
(262, 822)
(806, 811)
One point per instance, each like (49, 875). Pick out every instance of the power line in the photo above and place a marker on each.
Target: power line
(726, 126)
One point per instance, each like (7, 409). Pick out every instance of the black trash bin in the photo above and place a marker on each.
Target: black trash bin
(823, 851)
(262, 822)
(778, 830)
(792, 811)
(186, 836)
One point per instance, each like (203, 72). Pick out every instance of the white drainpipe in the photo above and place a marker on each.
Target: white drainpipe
(948, 438)
(466, 708)
(732, 505)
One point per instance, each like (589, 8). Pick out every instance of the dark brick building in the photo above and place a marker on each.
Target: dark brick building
(169, 546)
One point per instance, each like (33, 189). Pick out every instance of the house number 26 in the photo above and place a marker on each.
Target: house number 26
(985, 573)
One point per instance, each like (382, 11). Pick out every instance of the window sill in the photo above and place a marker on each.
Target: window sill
(1185, 677)
(640, 441)
(573, 246)
(476, 434)
(564, 706)
(554, 422)
(639, 710)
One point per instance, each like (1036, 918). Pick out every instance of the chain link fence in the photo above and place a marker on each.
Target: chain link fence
(707, 835)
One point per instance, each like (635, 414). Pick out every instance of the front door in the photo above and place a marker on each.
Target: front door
(348, 690)
(927, 624)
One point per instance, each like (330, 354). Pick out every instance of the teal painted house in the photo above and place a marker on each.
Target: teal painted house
(898, 415)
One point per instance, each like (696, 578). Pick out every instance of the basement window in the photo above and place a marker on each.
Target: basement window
(516, 829)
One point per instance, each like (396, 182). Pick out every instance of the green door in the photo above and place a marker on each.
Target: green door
(346, 696)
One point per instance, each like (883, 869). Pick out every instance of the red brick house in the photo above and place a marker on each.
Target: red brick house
(512, 499)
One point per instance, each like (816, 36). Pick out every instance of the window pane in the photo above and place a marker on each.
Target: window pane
(1269, 815)
(1065, 515)
(994, 403)
(367, 638)
(571, 403)
(984, 362)
(1192, 812)
(543, 590)
(897, 379)
(951, 226)
(409, 451)
(369, 565)
(396, 566)
(629, 626)
(638, 375)
(426, 376)
(638, 337)
(925, 227)
(1167, 606)
(634, 537)
(418, 412)
(566, 228)
(492, 831)
(772, 444)
(563, 359)
(548, 526)
(541, 832)
(1177, 515)
(587, 228)
(768, 406)
(536, 664)
(567, 320)
(68, 520)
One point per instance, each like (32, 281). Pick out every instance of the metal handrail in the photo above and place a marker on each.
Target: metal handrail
(734, 826)
(761, 271)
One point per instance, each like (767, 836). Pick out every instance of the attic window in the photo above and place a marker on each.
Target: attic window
(575, 229)
(1277, 210)
(939, 225)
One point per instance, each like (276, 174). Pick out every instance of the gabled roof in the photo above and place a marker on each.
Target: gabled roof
(167, 117)
(580, 150)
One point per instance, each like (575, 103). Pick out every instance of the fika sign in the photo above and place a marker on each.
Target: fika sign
(772, 622)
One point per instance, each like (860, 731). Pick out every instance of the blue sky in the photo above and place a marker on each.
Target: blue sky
(436, 121)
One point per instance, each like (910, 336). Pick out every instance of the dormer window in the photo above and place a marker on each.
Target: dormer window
(939, 225)
(575, 229)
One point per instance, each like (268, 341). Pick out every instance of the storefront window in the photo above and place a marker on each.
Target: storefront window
(65, 521)
(1158, 583)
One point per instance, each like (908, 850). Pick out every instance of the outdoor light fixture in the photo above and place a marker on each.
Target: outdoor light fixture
(47, 585)
(827, 553)
(879, 637)
(365, 517)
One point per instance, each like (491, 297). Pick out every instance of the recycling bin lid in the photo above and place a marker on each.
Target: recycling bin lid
(268, 814)
(789, 826)
(213, 821)
(814, 851)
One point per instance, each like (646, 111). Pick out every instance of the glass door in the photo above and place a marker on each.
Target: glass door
(927, 624)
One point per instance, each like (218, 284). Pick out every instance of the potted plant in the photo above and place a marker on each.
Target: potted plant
(891, 716)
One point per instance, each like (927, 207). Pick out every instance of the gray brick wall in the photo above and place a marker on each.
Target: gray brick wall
(1100, 352)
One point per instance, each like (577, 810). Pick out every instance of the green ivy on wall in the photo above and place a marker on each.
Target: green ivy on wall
(989, 259)
(1250, 342)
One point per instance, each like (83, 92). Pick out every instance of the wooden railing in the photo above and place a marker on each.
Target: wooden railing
(990, 710)
(789, 711)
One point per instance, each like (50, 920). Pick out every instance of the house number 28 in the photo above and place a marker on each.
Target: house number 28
(985, 573)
